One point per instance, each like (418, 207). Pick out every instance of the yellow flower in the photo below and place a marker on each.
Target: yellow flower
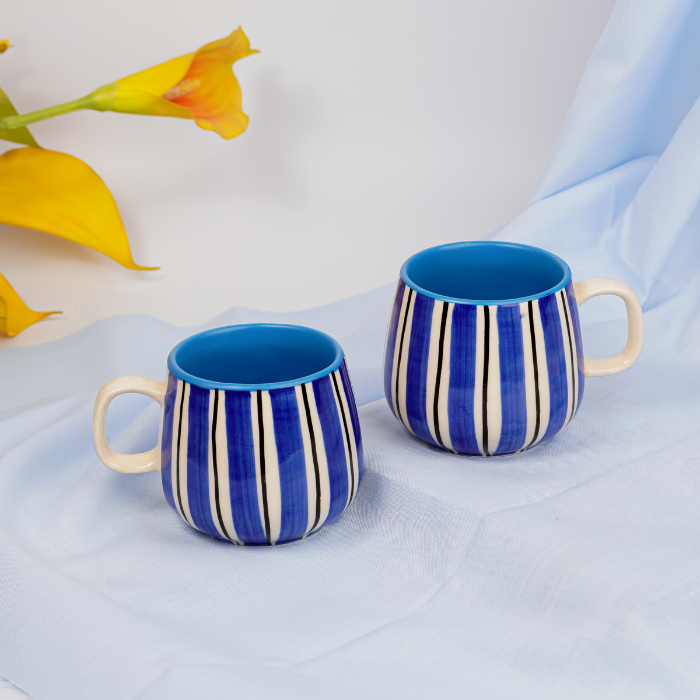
(59, 194)
(15, 315)
(199, 86)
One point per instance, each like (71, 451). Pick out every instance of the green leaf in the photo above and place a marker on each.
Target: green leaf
(19, 135)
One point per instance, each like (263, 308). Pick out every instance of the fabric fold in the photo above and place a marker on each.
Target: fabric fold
(568, 572)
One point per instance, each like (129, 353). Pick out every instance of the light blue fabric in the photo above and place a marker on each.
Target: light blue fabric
(569, 572)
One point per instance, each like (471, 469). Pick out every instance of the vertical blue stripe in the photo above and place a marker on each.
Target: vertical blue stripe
(573, 308)
(512, 366)
(198, 461)
(355, 419)
(391, 342)
(334, 444)
(556, 364)
(241, 468)
(417, 367)
(460, 402)
(166, 444)
(292, 464)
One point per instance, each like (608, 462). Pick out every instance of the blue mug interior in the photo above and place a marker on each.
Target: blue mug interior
(255, 356)
(485, 272)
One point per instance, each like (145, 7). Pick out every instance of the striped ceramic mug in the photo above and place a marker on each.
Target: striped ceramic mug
(483, 354)
(260, 438)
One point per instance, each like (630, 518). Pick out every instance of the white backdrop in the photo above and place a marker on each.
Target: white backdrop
(378, 127)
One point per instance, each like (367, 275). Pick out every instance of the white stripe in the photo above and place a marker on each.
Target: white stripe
(339, 406)
(222, 471)
(272, 473)
(529, 366)
(574, 349)
(210, 460)
(256, 450)
(397, 343)
(321, 455)
(173, 448)
(403, 372)
(493, 392)
(567, 357)
(493, 389)
(183, 455)
(351, 429)
(433, 353)
(479, 379)
(308, 459)
(542, 370)
(576, 357)
(443, 414)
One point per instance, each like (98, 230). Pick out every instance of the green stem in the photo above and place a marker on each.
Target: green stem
(31, 117)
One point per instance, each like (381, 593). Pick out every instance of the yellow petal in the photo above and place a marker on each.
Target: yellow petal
(210, 89)
(15, 315)
(228, 125)
(59, 194)
(158, 79)
(19, 135)
(4, 45)
(231, 48)
(141, 93)
(135, 101)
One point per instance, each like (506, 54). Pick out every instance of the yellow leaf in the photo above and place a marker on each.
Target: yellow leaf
(15, 315)
(4, 45)
(59, 194)
(19, 135)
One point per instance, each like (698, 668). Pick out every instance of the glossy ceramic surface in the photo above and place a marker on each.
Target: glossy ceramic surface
(484, 354)
(260, 437)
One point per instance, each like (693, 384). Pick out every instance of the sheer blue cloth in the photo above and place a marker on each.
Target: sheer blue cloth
(569, 572)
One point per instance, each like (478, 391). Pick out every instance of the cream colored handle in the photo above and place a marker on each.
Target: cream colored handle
(602, 367)
(129, 464)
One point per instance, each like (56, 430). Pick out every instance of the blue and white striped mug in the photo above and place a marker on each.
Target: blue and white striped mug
(260, 439)
(483, 354)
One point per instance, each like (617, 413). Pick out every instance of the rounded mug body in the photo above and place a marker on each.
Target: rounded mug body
(484, 377)
(260, 438)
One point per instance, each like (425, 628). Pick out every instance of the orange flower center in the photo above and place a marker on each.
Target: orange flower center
(185, 86)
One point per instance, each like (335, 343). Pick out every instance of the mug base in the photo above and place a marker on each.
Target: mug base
(527, 450)
(219, 538)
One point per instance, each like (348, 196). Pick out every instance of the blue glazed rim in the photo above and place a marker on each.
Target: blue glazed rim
(180, 373)
(566, 270)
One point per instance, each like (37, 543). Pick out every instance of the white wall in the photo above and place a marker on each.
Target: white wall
(378, 127)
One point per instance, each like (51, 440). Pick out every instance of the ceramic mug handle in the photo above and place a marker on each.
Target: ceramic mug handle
(129, 464)
(602, 367)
